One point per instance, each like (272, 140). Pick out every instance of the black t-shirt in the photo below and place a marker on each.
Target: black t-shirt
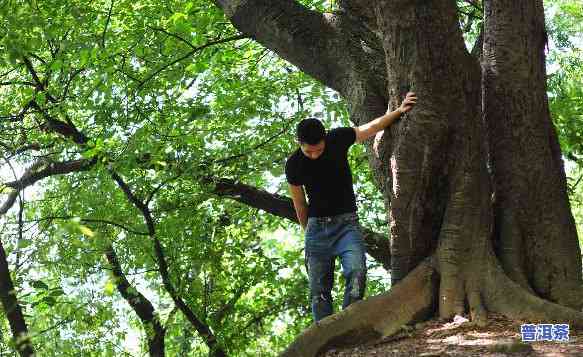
(327, 179)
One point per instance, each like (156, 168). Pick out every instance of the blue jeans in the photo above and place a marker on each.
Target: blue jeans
(327, 238)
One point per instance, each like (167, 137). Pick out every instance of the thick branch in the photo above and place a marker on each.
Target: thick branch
(12, 308)
(377, 244)
(340, 50)
(38, 171)
(67, 129)
(10, 303)
(306, 38)
(12, 196)
(42, 170)
(140, 304)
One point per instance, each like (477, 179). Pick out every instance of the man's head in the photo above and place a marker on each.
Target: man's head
(310, 135)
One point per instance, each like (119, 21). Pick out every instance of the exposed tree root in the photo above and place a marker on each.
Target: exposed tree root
(486, 287)
(504, 296)
(376, 317)
(571, 294)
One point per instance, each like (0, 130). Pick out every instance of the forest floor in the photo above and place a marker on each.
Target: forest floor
(502, 337)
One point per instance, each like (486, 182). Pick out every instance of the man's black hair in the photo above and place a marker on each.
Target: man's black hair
(310, 131)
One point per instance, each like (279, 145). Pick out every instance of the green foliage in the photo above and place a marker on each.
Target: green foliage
(565, 81)
(168, 97)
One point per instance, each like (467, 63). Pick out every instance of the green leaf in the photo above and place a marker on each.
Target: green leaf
(56, 65)
(84, 57)
(57, 292)
(109, 288)
(23, 243)
(86, 231)
(38, 284)
(41, 98)
(49, 300)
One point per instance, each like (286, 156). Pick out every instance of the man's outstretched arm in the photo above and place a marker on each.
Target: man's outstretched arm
(369, 129)
(300, 204)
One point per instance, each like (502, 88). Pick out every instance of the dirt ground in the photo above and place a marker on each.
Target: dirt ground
(501, 337)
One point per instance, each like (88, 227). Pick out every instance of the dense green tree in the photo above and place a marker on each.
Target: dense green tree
(143, 146)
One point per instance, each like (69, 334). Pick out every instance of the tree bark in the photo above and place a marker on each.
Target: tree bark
(424, 149)
(537, 240)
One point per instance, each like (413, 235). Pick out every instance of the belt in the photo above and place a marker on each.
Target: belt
(339, 217)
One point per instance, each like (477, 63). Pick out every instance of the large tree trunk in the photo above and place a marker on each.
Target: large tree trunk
(472, 178)
(537, 240)
(428, 151)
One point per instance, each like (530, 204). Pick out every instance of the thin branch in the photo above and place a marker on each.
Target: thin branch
(9, 71)
(21, 83)
(298, 94)
(478, 46)
(21, 114)
(39, 84)
(258, 146)
(32, 146)
(202, 328)
(572, 187)
(170, 317)
(475, 5)
(20, 225)
(190, 53)
(171, 34)
(64, 321)
(106, 25)
(160, 186)
(39, 58)
(135, 79)
(69, 81)
(228, 307)
(90, 220)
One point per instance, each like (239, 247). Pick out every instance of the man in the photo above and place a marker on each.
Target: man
(320, 165)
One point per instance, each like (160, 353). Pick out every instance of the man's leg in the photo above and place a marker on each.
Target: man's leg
(321, 276)
(351, 250)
